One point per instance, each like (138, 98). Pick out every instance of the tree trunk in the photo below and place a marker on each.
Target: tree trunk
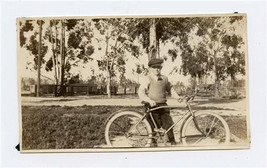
(53, 53)
(152, 40)
(62, 49)
(125, 89)
(39, 58)
(216, 94)
(56, 54)
(217, 81)
(108, 78)
(56, 61)
(108, 82)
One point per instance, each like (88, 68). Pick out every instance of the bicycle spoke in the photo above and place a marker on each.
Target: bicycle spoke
(118, 125)
(211, 126)
(198, 140)
(193, 137)
(137, 129)
(222, 128)
(128, 129)
(215, 130)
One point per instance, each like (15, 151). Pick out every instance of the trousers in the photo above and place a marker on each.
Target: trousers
(162, 119)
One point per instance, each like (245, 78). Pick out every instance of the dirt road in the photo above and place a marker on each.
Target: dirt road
(224, 107)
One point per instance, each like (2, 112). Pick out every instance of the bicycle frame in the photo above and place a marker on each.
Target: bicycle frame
(183, 117)
(187, 114)
(188, 119)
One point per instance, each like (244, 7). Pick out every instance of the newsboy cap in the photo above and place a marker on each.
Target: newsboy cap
(155, 62)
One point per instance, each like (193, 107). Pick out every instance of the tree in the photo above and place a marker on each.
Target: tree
(40, 23)
(80, 47)
(76, 34)
(217, 51)
(153, 42)
(53, 63)
(153, 31)
(114, 35)
(74, 47)
(24, 27)
(36, 47)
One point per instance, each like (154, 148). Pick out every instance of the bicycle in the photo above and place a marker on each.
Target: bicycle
(129, 128)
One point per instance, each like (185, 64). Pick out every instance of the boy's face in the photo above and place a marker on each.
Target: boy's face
(155, 70)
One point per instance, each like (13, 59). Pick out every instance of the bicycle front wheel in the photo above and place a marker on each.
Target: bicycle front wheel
(206, 129)
(128, 129)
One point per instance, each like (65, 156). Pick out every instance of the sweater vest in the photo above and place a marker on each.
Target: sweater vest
(157, 89)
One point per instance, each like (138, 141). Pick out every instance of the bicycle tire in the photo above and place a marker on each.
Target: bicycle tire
(119, 136)
(217, 134)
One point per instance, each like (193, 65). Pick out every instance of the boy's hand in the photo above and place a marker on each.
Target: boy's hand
(180, 99)
(152, 103)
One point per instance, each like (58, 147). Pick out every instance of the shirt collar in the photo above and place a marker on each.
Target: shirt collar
(155, 77)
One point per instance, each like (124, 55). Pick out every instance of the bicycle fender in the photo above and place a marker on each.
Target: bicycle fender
(182, 126)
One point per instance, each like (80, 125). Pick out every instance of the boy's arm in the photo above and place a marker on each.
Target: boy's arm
(171, 90)
(142, 92)
(174, 94)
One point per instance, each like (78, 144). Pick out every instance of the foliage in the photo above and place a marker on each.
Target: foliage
(207, 45)
(26, 27)
(115, 37)
(33, 48)
(211, 46)
(78, 35)
(166, 28)
(217, 51)
(79, 41)
(33, 43)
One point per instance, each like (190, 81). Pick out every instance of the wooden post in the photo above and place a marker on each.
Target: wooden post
(125, 89)
(71, 90)
(87, 91)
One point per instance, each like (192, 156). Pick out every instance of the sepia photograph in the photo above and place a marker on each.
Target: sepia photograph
(133, 83)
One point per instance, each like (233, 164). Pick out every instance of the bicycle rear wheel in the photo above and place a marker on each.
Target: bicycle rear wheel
(208, 129)
(128, 129)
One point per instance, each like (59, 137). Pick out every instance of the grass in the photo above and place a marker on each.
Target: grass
(237, 125)
(55, 127)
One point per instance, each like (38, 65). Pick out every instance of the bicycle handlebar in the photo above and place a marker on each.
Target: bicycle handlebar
(187, 98)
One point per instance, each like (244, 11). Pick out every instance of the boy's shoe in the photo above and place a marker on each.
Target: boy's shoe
(152, 144)
(173, 143)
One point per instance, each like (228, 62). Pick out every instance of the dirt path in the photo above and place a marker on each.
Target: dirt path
(223, 108)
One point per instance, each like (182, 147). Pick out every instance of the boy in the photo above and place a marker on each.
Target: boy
(153, 90)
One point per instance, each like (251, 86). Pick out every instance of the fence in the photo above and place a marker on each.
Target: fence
(73, 89)
(93, 89)
(127, 90)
